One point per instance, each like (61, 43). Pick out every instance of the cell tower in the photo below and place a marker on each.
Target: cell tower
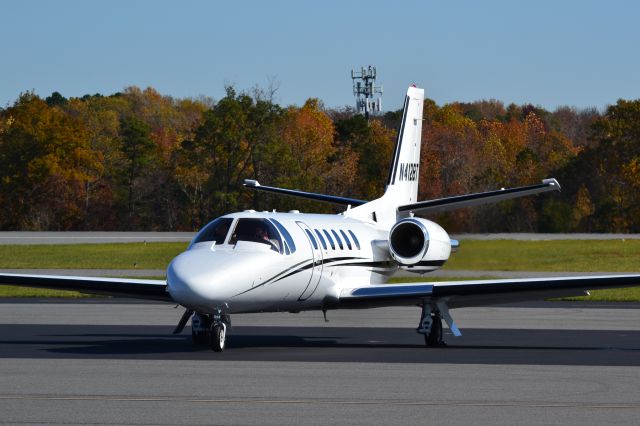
(365, 89)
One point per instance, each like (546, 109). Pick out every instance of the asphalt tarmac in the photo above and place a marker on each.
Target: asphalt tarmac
(117, 363)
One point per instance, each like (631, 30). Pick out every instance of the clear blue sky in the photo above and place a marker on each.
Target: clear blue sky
(550, 53)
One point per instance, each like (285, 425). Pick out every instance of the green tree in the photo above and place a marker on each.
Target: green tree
(56, 99)
(373, 144)
(138, 150)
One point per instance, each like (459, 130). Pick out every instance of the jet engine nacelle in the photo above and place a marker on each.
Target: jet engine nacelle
(419, 245)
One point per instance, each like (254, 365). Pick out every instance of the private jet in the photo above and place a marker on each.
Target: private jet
(290, 262)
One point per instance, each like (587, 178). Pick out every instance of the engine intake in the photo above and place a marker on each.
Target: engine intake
(408, 241)
(419, 245)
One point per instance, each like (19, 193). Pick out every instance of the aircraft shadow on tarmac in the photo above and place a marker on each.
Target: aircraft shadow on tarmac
(322, 344)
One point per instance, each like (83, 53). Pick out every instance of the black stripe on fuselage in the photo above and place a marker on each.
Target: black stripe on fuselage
(396, 153)
(307, 264)
(381, 264)
(276, 277)
(316, 263)
(429, 263)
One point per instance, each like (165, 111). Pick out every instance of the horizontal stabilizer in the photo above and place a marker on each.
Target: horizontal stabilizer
(469, 200)
(249, 183)
(118, 287)
(480, 292)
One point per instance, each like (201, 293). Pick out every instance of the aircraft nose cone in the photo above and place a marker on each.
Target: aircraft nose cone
(190, 279)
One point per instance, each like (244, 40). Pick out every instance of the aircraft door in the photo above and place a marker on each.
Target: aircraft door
(316, 269)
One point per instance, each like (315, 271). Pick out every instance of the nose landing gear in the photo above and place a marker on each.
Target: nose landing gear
(217, 336)
(210, 330)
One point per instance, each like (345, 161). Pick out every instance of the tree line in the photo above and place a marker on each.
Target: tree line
(138, 160)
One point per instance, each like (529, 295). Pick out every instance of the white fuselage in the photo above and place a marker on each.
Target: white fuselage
(248, 276)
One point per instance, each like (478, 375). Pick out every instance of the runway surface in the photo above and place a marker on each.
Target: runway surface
(117, 363)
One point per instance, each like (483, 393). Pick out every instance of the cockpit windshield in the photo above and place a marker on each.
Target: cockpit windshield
(216, 230)
(259, 231)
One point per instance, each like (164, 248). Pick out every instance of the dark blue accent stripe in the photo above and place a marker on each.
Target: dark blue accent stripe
(394, 290)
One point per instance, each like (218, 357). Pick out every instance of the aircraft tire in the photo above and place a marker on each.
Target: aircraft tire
(434, 338)
(217, 337)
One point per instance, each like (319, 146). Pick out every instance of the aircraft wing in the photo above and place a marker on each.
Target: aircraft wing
(469, 200)
(254, 184)
(119, 287)
(458, 294)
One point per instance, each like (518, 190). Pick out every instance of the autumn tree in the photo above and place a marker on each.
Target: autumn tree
(138, 159)
(317, 163)
(46, 162)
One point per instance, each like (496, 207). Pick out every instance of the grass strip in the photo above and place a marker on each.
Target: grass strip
(18, 292)
(90, 256)
(14, 291)
(559, 255)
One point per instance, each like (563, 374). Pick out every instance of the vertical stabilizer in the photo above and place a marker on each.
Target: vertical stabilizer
(402, 183)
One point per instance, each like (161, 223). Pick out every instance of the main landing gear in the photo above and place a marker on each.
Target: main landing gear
(431, 323)
(210, 330)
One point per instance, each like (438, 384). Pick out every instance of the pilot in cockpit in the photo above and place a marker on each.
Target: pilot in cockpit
(262, 236)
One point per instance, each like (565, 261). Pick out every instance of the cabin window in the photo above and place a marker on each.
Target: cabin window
(312, 238)
(257, 231)
(286, 235)
(321, 238)
(216, 230)
(355, 240)
(346, 239)
(333, 246)
(335, 234)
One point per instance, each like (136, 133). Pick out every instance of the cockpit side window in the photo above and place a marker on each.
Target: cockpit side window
(216, 230)
(258, 231)
(286, 235)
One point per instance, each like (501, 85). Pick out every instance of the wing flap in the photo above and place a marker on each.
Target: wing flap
(481, 292)
(119, 287)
